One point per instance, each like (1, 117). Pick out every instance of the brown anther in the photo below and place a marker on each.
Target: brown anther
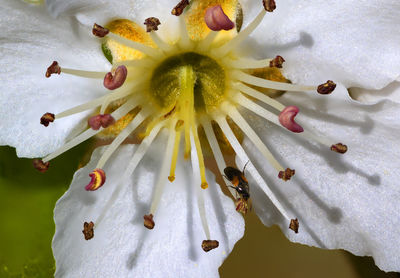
(148, 221)
(171, 178)
(276, 62)
(178, 10)
(294, 225)
(40, 165)
(47, 118)
(170, 113)
(241, 205)
(209, 245)
(88, 231)
(287, 174)
(152, 24)
(339, 148)
(269, 5)
(326, 88)
(100, 31)
(54, 68)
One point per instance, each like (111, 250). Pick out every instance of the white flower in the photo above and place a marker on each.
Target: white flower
(348, 202)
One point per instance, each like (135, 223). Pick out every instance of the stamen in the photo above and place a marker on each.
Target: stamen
(178, 131)
(137, 157)
(205, 44)
(148, 221)
(88, 230)
(286, 118)
(202, 167)
(117, 114)
(163, 173)
(139, 118)
(151, 24)
(209, 245)
(326, 88)
(39, 165)
(294, 225)
(269, 5)
(184, 41)
(245, 127)
(250, 168)
(47, 118)
(260, 82)
(138, 46)
(116, 80)
(287, 174)
(53, 68)
(162, 45)
(223, 50)
(98, 178)
(339, 148)
(99, 31)
(84, 73)
(101, 120)
(248, 63)
(217, 20)
(260, 96)
(178, 10)
(277, 62)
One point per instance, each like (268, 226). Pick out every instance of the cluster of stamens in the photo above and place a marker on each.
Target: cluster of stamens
(182, 116)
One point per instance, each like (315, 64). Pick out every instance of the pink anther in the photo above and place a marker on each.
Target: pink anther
(217, 20)
(100, 120)
(286, 118)
(116, 80)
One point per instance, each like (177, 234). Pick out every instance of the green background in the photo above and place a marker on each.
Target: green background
(27, 199)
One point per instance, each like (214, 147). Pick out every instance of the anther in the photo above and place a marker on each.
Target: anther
(40, 165)
(276, 62)
(269, 5)
(326, 88)
(116, 80)
(286, 118)
(178, 10)
(339, 148)
(47, 118)
(54, 68)
(99, 31)
(171, 178)
(88, 231)
(101, 120)
(294, 225)
(98, 178)
(152, 24)
(204, 185)
(209, 245)
(217, 20)
(148, 221)
(287, 174)
(241, 205)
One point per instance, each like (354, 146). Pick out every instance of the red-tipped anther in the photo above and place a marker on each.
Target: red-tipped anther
(152, 24)
(116, 80)
(100, 120)
(99, 31)
(178, 9)
(54, 68)
(287, 174)
(339, 148)
(217, 20)
(40, 165)
(47, 118)
(88, 231)
(148, 221)
(241, 205)
(326, 88)
(98, 178)
(286, 118)
(209, 245)
(269, 5)
(294, 225)
(276, 62)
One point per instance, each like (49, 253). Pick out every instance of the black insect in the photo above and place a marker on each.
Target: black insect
(238, 180)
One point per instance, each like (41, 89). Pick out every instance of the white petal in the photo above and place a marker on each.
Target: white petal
(30, 40)
(122, 246)
(391, 91)
(345, 201)
(353, 42)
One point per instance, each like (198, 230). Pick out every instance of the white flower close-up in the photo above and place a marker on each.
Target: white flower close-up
(167, 86)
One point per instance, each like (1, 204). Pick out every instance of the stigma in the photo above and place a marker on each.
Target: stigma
(195, 89)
